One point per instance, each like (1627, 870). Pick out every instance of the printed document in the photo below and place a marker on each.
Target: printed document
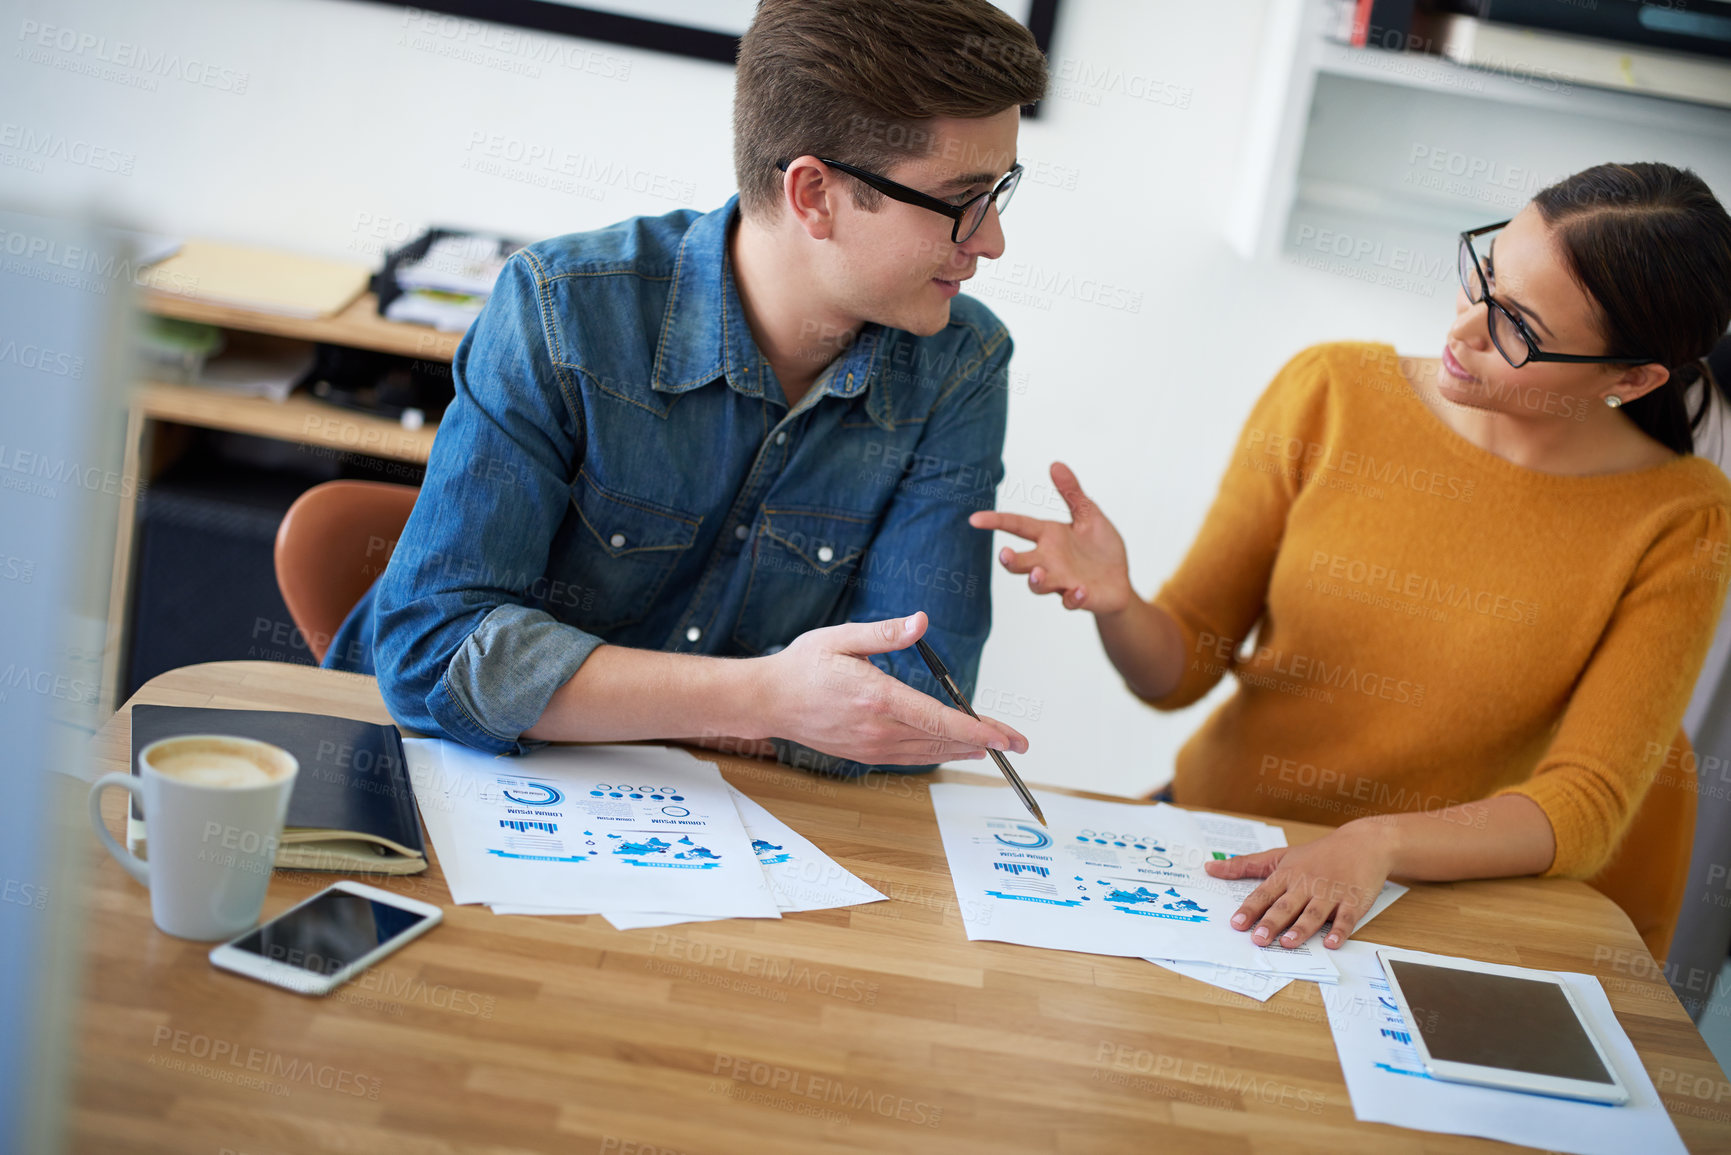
(802, 876)
(617, 828)
(1106, 878)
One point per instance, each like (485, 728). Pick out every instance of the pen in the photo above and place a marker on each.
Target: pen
(943, 676)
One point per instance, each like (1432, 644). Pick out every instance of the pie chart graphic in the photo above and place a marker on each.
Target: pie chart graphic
(533, 794)
(1025, 838)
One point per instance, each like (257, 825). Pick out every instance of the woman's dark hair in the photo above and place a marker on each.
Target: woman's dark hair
(1652, 245)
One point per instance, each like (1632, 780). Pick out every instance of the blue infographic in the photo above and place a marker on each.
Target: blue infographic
(769, 853)
(1102, 877)
(652, 852)
(526, 792)
(614, 828)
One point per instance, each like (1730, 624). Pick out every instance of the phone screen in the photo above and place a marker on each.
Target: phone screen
(1490, 1020)
(329, 932)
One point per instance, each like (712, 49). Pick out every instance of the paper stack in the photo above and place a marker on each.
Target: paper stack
(644, 835)
(1119, 879)
(448, 285)
(259, 280)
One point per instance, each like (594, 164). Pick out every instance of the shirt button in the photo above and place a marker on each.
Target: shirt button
(825, 554)
(693, 634)
(781, 438)
(617, 541)
(742, 532)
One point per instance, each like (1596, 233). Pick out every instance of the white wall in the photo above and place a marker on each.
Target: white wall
(356, 123)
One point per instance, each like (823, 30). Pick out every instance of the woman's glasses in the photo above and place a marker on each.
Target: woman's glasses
(966, 217)
(1508, 332)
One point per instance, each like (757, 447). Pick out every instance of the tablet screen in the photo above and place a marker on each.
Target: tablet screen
(1497, 1021)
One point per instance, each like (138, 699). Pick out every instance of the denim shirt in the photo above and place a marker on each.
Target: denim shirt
(620, 465)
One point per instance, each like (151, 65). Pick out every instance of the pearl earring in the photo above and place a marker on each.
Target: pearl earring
(1614, 401)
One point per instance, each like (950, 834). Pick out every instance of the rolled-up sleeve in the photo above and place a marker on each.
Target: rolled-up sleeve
(925, 555)
(461, 649)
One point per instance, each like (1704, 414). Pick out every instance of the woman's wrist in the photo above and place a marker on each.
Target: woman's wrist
(1120, 602)
(1383, 836)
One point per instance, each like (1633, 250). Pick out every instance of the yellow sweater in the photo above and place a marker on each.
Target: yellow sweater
(1437, 624)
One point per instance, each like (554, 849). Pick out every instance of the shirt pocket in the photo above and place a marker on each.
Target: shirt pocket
(628, 547)
(804, 565)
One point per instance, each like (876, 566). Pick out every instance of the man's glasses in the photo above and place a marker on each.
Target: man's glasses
(1508, 332)
(966, 217)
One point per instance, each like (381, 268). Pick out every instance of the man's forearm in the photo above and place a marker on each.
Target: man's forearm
(620, 694)
(1146, 646)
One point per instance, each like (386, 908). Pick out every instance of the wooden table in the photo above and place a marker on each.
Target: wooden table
(870, 1028)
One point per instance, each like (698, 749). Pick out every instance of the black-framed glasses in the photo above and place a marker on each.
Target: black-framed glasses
(1508, 332)
(966, 217)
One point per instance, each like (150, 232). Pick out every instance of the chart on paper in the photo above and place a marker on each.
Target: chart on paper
(1103, 877)
(627, 828)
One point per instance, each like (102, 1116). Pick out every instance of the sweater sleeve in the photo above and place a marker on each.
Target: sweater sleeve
(1218, 593)
(1628, 704)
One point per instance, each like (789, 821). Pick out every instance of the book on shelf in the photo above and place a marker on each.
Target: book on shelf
(1701, 26)
(1370, 23)
(1557, 58)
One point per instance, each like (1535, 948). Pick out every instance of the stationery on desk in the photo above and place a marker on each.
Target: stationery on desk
(802, 876)
(1388, 1084)
(644, 835)
(1120, 879)
(942, 674)
(352, 808)
(1113, 878)
(649, 836)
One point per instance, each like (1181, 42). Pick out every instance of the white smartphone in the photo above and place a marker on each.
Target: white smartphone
(1500, 1026)
(317, 945)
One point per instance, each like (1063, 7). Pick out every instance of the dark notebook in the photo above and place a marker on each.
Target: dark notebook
(353, 807)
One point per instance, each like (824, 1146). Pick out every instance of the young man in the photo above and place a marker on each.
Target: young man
(710, 475)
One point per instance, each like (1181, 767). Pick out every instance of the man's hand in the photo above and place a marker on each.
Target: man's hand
(1336, 877)
(1083, 560)
(823, 692)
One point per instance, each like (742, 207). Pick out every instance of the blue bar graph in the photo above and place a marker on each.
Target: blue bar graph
(524, 826)
(1022, 868)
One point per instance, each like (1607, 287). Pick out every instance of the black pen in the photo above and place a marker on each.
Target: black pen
(943, 676)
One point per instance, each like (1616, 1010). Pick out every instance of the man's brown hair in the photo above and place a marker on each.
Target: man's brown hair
(858, 79)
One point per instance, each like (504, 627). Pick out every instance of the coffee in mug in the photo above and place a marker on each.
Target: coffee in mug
(213, 807)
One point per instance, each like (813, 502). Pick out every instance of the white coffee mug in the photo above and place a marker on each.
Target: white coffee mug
(213, 806)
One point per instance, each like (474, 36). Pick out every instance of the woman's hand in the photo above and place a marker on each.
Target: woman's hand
(1083, 559)
(1336, 877)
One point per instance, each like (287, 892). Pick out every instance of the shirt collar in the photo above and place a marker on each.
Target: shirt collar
(704, 334)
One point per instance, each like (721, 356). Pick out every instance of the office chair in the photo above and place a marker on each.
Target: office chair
(332, 543)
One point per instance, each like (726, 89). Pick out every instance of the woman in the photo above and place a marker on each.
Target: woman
(1482, 584)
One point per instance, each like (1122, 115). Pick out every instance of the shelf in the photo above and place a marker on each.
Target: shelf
(359, 325)
(300, 419)
(1325, 116)
(1442, 75)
